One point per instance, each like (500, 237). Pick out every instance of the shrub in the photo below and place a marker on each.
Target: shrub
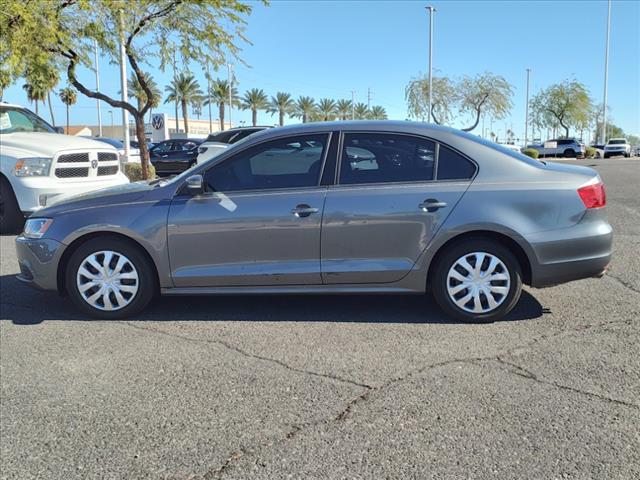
(531, 152)
(134, 171)
(590, 152)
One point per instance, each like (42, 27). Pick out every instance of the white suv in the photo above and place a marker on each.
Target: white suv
(38, 164)
(617, 146)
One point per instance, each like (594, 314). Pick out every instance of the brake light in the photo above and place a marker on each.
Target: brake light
(593, 196)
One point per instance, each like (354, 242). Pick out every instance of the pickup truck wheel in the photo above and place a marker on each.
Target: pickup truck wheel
(569, 153)
(110, 278)
(11, 218)
(477, 280)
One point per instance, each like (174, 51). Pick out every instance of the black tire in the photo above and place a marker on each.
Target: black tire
(11, 218)
(147, 280)
(606, 156)
(569, 153)
(438, 279)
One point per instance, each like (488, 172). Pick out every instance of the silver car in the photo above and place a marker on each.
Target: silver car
(346, 207)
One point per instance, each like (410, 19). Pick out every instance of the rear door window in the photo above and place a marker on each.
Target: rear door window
(453, 166)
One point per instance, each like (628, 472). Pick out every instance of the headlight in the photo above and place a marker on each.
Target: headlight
(36, 227)
(32, 167)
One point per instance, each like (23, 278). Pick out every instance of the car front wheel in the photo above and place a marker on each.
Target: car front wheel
(11, 218)
(110, 278)
(477, 280)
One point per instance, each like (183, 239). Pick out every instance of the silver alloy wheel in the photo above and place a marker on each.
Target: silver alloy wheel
(478, 282)
(107, 280)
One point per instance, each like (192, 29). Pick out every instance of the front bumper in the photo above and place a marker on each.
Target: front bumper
(38, 261)
(34, 193)
(582, 251)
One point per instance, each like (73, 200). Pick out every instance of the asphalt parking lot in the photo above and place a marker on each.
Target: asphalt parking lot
(330, 387)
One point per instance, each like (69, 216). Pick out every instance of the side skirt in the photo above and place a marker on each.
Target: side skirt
(291, 290)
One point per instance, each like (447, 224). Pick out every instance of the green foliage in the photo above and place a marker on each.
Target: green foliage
(254, 100)
(134, 172)
(531, 152)
(377, 113)
(68, 96)
(185, 90)
(564, 105)
(326, 109)
(63, 33)
(343, 109)
(219, 95)
(281, 104)
(135, 90)
(305, 108)
(590, 152)
(469, 97)
(5, 82)
(361, 111)
(613, 131)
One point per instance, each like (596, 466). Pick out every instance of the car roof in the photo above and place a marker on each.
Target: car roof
(14, 105)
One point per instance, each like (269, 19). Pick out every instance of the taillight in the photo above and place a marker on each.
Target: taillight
(593, 196)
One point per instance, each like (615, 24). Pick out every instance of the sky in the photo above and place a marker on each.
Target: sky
(331, 48)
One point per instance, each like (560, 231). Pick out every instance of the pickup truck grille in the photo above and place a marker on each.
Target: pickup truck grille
(86, 164)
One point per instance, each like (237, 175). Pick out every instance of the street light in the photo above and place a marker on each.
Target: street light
(431, 10)
(526, 115)
(111, 113)
(603, 132)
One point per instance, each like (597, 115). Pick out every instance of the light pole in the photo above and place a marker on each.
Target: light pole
(526, 115)
(230, 77)
(111, 113)
(603, 132)
(431, 10)
(125, 95)
(95, 51)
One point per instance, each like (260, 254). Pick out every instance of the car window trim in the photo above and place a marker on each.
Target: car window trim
(409, 182)
(317, 185)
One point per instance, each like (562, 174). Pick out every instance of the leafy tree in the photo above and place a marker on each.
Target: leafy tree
(135, 90)
(185, 90)
(254, 100)
(344, 109)
(305, 108)
(63, 33)
(444, 99)
(361, 111)
(281, 104)
(69, 97)
(219, 95)
(613, 131)
(5, 81)
(564, 105)
(326, 109)
(378, 113)
(485, 93)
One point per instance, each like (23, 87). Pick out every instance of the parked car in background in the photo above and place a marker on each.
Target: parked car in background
(564, 147)
(510, 146)
(617, 146)
(219, 141)
(174, 156)
(136, 144)
(134, 153)
(37, 164)
(290, 210)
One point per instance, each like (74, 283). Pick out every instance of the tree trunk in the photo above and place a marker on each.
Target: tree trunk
(254, 116)
(67, 119)
(185, 118)
(221, 115)
(281, 117)
(142, 145)
(53, 120)
(36, 102)
(304, 118)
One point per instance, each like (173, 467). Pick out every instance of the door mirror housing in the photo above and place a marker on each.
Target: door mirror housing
(194, 185)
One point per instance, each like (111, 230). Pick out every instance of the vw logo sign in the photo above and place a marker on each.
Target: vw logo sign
(157, 122)
(94, 163)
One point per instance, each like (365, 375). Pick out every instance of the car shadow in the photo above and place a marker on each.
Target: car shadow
(23, 305)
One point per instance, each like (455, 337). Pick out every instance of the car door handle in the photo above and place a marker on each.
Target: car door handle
(304, 210)
(431, 205)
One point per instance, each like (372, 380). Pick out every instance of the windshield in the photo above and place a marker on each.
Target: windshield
(14, 119)
(111, 141)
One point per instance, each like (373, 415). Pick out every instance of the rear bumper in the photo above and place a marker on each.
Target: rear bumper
(571, 254)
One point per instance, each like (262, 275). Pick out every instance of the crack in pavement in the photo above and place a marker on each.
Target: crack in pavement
(623, 282)
(248, 355)
(528, 374)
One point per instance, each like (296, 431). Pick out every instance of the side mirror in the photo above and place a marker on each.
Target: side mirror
(194, 185)
(59, 129)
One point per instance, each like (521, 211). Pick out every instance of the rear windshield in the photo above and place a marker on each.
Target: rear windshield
(501, 149)
(617, 142)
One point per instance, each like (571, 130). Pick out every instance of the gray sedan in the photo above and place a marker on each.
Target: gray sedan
(347, 207)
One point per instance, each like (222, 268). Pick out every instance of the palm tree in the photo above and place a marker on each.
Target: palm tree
(40, 80)
(281, 104)
(196, 108)
(304, 108)
(69, 97)
(185, 90)
(220, 96)
(5, 81)
(361, 111)
(135, 90)
(343, 109)
(254, 100)
(378, 113)
(326, 109)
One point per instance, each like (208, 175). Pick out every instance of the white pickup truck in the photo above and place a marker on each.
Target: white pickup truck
(38, 164)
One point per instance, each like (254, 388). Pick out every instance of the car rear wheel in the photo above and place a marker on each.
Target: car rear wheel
(477, 280)
(110, 278)
(11, 218)
(569, 153)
